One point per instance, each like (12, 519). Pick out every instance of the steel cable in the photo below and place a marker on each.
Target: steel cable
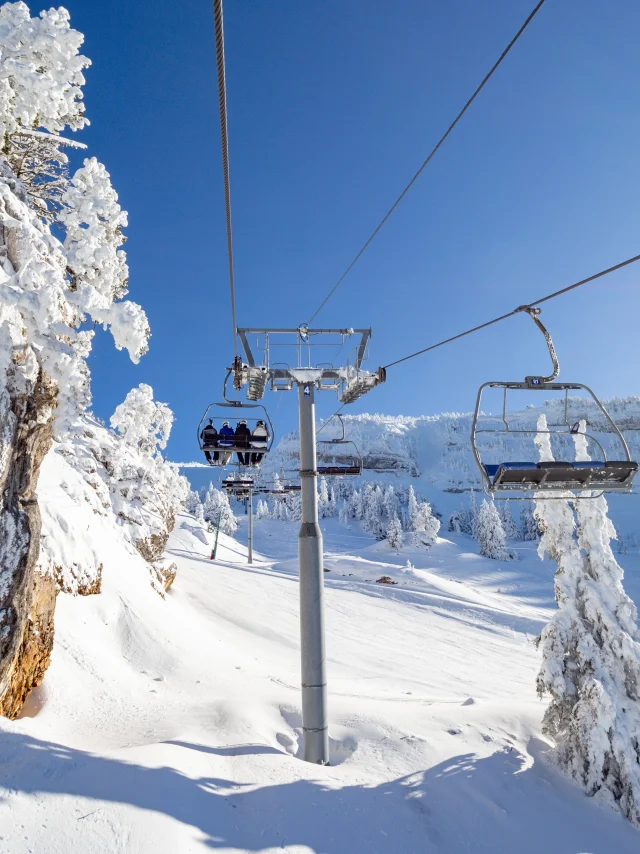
(516, 310)
(431, 155)
(224, 142)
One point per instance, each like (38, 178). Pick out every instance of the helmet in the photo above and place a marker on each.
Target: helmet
(243, 421)
(260, 423)
(225, 423)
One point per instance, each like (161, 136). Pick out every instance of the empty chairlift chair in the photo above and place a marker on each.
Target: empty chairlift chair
(516, 478)
(338, 457)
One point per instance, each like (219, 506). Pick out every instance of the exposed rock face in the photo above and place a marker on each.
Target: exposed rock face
(26, 599)
(34, 653)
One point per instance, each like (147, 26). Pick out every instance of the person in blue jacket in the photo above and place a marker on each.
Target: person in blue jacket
(225, 440)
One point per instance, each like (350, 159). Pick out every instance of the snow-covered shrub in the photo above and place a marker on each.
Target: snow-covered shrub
(490, 533)
(591, 652)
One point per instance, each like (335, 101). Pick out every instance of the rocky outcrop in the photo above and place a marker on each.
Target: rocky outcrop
(26, 599)
(34, 651)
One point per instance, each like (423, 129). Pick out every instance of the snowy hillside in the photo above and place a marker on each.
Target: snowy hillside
(174, 725)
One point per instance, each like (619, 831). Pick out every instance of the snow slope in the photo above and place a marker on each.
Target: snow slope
(173, 725)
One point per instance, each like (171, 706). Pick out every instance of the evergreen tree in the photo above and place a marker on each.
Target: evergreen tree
(591, 653)
(344, 514)
(490, 533)
(426, 526)
(323, 498)
(511, 530)
(412, 509)
(460, 521)
(391, 504)
(357, 510)
(394, 534)
(528, 523)
(217, 507)
(473, 516)
(192, 503)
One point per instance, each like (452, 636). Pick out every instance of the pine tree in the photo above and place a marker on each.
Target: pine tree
(323, 498)
(511, 530)
(591, 653)
(344, 514)
(491, 533)
(262, 510)
(192, 503)
(357, 510)
(426, 526)
(412, 509)
(217, 510)
(530, 530)
(473, 516)
(391, 504)
(394, 534)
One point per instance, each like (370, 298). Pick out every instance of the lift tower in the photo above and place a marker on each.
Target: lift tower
(350, 381)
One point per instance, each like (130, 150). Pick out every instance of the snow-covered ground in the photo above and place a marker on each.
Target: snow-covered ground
(173, 725)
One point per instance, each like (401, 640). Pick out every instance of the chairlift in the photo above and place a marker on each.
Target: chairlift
(516, 478)
(218, 448)
(238, 484)
(353, 466)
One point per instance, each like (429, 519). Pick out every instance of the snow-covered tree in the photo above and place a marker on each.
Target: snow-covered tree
(262, 510)
(323, 498)
(460, 521)
(394, 535)
(391, 504)
(373, 521)
(530, 530)
(357, 508)
(511, 530)
(490, 533)
(193, 502)
(425, 526)
(412, 509)
(474, 515)
(591, 653)
(344, 514)
(217, 510)
(142, 421)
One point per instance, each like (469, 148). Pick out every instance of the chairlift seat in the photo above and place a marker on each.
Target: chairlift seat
(339, 471)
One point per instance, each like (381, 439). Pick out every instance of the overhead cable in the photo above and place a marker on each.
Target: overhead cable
(431, 154)
(529, 305)
(224, 142)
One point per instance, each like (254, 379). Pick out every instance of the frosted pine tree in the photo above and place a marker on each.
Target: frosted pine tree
(391, 504)
(357, 510)
(530, 530)
(591, 662)
(344, 514)
(192, 503)
(490, 533)
(425, 526)
(332, 507)
(262, 510)
(511, 530)
(412, 509)
(460, 521)
(394, 534)
(473, 516)
(217, 510)
(323, 498)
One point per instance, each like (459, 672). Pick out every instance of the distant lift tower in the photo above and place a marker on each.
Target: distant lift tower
(350, 381)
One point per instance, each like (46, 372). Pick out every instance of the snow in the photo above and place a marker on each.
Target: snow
(174, 725)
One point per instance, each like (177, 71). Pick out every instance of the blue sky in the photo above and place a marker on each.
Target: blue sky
(333, 104)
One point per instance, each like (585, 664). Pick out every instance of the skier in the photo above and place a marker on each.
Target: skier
(225, 440)
(242, 437)
(209, 438)
(259, 439)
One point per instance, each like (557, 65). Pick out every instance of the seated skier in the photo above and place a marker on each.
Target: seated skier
(225, 440)
(242, 437)
(259, 440)
(209, 438)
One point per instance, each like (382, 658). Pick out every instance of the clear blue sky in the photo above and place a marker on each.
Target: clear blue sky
(332, 106)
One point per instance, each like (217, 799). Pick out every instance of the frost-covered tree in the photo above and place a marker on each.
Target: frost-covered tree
(193, 502)
(373, 521)
(425, 526)
(391, 504)
(394, 535)
(511, 530)
(460, 521)
(142, 421)
(474, 515)
(217, 510)
(357, 509)
(412, 508)
(591, 653)
(344, 514)
(490, 533)
(530, 530)
(262, 510)
(323, 498)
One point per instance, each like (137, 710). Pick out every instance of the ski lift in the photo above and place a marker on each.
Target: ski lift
(238, 484)
(218, 448)
(515, 478)
(352, 466)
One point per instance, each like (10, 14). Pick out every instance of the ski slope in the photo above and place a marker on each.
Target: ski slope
(174, 726)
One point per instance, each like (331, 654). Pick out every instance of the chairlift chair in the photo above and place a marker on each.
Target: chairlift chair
(225, 447)
(353, 468)
(516, 478)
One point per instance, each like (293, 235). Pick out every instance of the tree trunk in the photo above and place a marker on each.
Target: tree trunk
(27, 599)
